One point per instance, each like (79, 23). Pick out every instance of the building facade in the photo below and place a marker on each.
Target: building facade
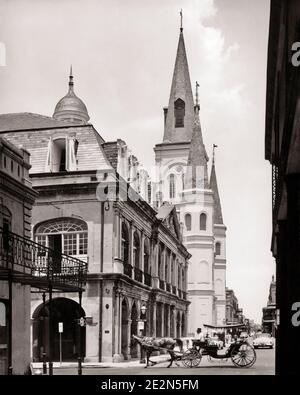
(182, 179)
(90, 206)
(16, 200)
(282, 145)
(25, 266)
(269, 312)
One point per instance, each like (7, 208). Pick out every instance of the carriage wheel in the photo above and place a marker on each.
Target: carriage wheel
(191, 358)
(243, 356)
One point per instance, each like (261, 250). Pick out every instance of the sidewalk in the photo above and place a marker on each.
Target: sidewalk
(125, 364)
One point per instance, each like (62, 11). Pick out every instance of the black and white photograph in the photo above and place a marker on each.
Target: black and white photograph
(149, 190)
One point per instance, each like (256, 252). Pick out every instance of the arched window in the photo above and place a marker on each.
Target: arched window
(64, 235)
(125, 244)
(172, 186)
(203, 221)
(136, 250)
(218, 248)
(188, 221)
(179, 112)
(5, 218)
(146, 257)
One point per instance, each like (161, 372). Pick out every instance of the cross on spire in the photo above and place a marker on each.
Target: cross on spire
(181, 17)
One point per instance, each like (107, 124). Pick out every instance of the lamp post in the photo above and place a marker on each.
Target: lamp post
(143, 321)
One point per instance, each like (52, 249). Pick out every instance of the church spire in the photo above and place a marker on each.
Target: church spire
(179, 116)
(197, 175)
(218, 218)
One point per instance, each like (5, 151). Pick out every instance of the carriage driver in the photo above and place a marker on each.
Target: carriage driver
(199, 335)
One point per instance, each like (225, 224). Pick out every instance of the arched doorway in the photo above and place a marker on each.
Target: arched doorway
(68, 312)
(124, 332)
(134, 330)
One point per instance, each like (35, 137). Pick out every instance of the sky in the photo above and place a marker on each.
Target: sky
(123, 54)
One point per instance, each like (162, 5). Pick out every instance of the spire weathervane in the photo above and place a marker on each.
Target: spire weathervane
(181, 17)
(213, 159)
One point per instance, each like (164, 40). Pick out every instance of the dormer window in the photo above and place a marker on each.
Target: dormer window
(179, 112)
(62, 154)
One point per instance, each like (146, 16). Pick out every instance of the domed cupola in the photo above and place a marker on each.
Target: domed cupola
(70, 107)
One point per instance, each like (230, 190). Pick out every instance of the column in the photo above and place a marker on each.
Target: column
(154, 262)
(129, 338)
(142, 256)
(169, 321)
(162, 320)
(153, 324)
(118, 265)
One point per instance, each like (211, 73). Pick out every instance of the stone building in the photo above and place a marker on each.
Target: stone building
(182, 179)
(25, 266)
(232, 307)
(16, 200)
(92, 205)
(269, 312)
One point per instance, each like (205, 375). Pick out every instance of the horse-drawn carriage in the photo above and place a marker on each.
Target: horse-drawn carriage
(240, 351)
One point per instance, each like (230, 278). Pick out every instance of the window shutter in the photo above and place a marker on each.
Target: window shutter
(49, 161)
(70, 154)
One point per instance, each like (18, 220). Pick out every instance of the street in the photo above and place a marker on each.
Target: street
(265, 365)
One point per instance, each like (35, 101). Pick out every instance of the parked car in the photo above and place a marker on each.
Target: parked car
(263, 340)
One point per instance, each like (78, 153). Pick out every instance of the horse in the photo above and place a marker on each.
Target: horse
(150, 344)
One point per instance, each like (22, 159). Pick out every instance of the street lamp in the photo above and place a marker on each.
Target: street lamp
(143, 309)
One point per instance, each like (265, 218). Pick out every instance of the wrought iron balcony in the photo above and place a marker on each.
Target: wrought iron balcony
(35, 264)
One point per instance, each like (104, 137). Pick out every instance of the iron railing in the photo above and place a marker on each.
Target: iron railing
(38, 263)
(138, 274)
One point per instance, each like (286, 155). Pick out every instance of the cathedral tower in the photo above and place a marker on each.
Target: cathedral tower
(182, 179)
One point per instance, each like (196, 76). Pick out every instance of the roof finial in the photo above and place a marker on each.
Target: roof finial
(181, 16)
(197, 97)
(71, 83)
(213, 159)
